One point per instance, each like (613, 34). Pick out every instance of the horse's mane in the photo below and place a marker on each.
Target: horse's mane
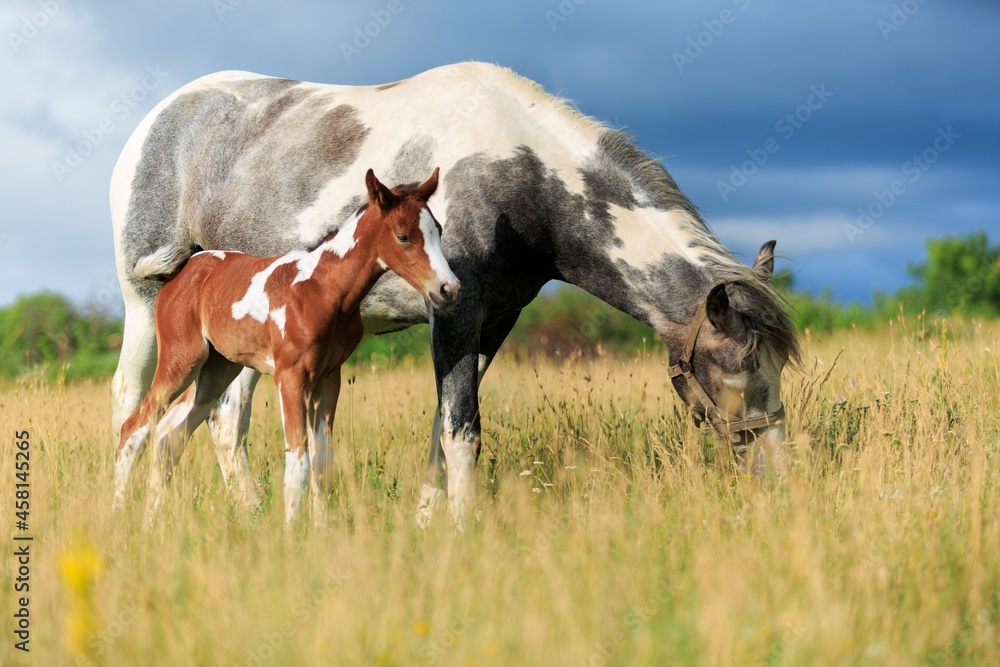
(762, 308)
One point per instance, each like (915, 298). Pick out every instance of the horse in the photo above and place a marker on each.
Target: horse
(533, 191)
(295, 316)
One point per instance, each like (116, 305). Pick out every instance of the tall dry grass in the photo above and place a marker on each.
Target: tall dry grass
(610, 532)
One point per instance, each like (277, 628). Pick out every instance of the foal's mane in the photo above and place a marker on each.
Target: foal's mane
(403, 191)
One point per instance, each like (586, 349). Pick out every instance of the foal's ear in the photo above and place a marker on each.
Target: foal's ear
(763, 266)
(717, 307)
(378, 194)
(428, 187)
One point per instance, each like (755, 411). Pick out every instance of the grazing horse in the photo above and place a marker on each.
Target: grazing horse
(295, 316)
(532, 191)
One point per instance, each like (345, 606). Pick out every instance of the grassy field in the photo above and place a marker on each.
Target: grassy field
(610, 532)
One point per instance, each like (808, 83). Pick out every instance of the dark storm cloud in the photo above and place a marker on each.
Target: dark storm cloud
(705, 85)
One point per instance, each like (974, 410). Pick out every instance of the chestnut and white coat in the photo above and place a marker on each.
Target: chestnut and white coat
(295, 316)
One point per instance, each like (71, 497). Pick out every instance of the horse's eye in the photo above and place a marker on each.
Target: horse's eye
(402, 238)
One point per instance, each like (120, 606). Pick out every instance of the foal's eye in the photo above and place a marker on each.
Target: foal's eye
(402, 238)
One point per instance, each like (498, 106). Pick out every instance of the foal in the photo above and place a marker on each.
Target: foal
(295, 316)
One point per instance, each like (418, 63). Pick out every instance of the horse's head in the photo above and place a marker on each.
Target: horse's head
(409, 238)
(728, 365)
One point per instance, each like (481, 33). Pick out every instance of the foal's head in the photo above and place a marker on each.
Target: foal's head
(408, 238)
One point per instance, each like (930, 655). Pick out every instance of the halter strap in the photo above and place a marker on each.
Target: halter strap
(726, 425)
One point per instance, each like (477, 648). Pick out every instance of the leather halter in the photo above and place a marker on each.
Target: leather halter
(726, 425)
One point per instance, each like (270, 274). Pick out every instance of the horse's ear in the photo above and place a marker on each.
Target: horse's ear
(428, 187)
(717, 307)
(378, 194)
(763, 266)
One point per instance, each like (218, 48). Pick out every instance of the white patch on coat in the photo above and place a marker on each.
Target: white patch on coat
(218, 254)
(269, 367)
(475, 108)
(737, 382)
(340, 245)
(278, 317)
(255, 302)
(296, 479)
(646, 237)
(306, 265)
(125, 461)
(174, 419)
(432, 246)
(344, 240)
(226, 422)
(134, 444)
(459, 447)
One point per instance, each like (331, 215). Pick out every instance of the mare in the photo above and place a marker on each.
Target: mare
(295, 316)
(531, 190)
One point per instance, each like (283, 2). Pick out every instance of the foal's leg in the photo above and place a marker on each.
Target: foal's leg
(186, 415)
(291, 393)
(229, 422)
(322, 410)
(177, 365)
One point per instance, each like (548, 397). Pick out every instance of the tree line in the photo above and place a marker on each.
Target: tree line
(960, 276)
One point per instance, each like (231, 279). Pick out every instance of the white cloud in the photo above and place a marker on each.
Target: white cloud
(802, 235)
(57, 233)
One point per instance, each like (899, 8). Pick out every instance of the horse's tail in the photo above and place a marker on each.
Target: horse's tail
(162, 263)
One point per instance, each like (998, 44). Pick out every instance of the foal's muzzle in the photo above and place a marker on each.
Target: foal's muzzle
(446, 295)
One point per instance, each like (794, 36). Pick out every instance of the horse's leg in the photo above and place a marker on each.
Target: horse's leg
(322, 410)
(186, 415)
(132, 379)
(455, 346)
(291, 393)
(494, 332)
(432, 493)
(228, 422)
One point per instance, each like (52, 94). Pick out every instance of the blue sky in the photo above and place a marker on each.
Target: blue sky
(781, 120)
